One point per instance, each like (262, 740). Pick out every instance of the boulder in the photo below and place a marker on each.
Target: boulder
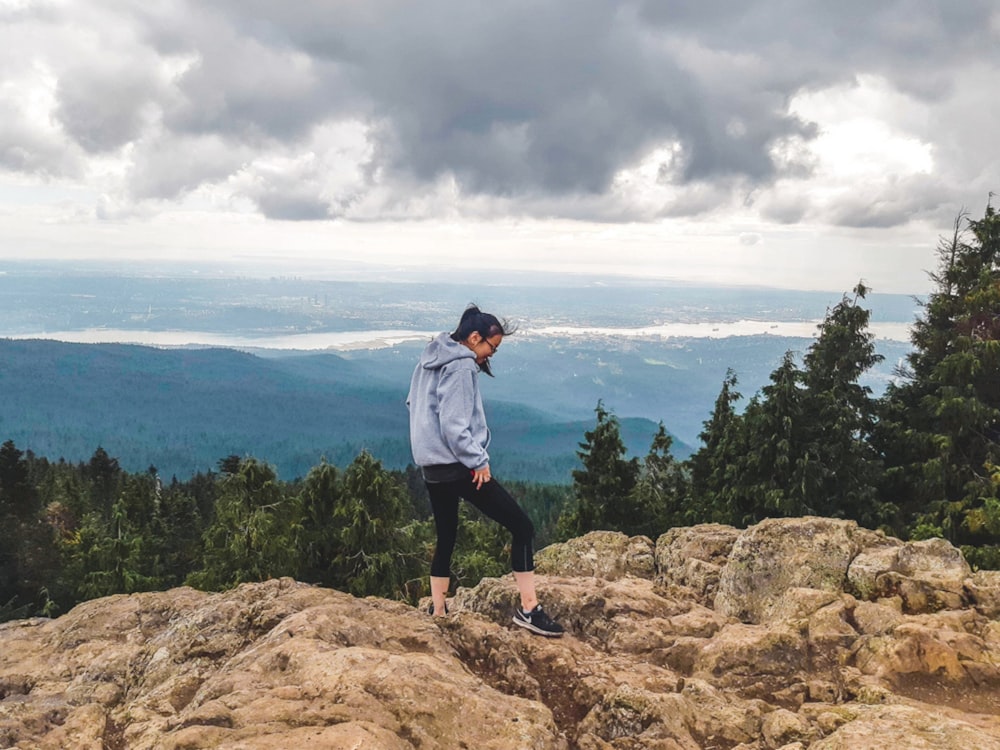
(926, 576)
(982, 590)
(601, 554)
(266, 665)
(693, 557)
(780, 554)
(756, 660)
(868, 565)
(910, 727)
(782, 728)
(877, 618)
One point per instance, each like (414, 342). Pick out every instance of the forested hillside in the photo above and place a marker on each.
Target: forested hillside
(180, 410)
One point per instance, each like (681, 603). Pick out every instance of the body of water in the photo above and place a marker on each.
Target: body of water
(380, 339)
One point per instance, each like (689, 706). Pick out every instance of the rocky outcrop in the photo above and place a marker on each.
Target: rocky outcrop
(793, 634)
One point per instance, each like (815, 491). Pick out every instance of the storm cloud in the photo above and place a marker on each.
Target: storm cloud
(617, 111)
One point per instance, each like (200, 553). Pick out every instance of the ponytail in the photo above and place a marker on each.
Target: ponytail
(486, 325)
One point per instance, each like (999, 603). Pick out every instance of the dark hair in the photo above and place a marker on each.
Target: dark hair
(475, 320)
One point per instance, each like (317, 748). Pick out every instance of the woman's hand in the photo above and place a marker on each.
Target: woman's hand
(481, 476)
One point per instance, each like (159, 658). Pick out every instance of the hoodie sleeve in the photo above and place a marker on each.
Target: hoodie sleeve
(457, 396)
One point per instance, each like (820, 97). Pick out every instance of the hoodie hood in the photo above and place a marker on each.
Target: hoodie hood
(442, 351)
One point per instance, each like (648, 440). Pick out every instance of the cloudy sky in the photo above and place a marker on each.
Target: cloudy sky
(804, 144)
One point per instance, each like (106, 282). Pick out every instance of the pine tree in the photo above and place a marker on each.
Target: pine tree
(250, 537)
(17, 497)
(175, 534)
(940, 427)
(104, 475)
(114, 562)
(317, 536)
(840, 414)
(801, 446)
(661, 493)
(18, 512)
(378, 551)
(603, 487)
(713, 467)
(777, 474)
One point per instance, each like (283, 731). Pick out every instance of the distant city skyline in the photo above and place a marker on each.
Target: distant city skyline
(717, 143)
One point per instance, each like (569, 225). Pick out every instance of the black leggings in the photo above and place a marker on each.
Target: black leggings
(496, 503)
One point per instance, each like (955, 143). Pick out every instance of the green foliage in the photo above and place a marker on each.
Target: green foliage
(776, 476)
(92, 529)
(802, 446)
(603, 487)
(986, 557)
(249, 538)
(661, 493)
(841, 415)
(28, 556)
(317, 540)
(173, 537)
(940, 427)
(113, 555)
(377, 552)
(713, 468)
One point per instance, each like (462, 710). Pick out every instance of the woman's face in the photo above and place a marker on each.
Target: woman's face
(483, 348)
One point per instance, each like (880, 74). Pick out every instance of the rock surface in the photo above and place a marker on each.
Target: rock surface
(796, 633)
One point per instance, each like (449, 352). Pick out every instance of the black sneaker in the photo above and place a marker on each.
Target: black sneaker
(538, 622)
(430, 609)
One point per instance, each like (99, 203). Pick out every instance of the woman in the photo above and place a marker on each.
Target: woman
(449, 437)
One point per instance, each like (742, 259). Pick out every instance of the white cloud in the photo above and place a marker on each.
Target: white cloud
(661, 118)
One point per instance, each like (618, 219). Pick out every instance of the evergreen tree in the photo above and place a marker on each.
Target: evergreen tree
(603, 487)
(840, 414)
(249, 537)
(103, 474)
(661, 493)
(318, 538)
(802, 444)
(18, 512)
(175, 534)
(17, 497)
(377, 542)
(153, 537)
(940, 426)
(113, 561)
(777, 474)
(713, 466)
(230, 464)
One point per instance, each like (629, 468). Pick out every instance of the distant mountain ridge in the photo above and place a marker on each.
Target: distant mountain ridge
(181, 410)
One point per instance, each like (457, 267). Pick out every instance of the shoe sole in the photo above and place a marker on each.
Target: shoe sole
(533, 629)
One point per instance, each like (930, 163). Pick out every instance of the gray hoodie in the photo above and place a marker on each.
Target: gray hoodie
(447, 422)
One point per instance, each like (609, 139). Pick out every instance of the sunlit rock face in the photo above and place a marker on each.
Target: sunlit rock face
(803, 633)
